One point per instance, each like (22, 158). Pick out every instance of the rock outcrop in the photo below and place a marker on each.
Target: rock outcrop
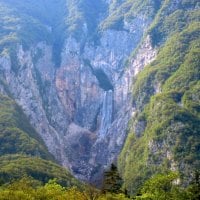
(81, 108)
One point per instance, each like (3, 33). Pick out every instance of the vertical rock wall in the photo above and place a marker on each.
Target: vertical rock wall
(82, 108)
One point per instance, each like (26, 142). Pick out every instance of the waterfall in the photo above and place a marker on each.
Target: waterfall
(106, 112)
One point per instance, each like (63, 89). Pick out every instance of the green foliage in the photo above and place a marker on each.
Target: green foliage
(172, 59)
(160, 187)
(22, 151)
(17, 166)
(21, 26)
(170, 127)
(13, 140)
(27, 23)
(163, 187)
(172, 19)
(132, 166)
(194, 187)
(16, 133)
(166, 93)
(28, 189)
(191, 99)
(128, 10)
(80, 11)
(167, 187)
(113, 197)
(112, 182)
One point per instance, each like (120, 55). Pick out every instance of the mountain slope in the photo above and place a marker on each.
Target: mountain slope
(65, 97)
(17, 135)
(89, 73)
(169, 136)
(22, 151)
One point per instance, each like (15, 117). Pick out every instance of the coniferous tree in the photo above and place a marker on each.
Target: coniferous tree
(112, 181)
(194, 188)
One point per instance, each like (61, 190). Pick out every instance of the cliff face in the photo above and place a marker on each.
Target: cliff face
(82, 107)
(75, 78)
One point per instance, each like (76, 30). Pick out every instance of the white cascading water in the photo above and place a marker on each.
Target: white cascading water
(106, 112)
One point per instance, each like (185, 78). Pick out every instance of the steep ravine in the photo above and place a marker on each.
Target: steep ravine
(80, 109)
(84, 78)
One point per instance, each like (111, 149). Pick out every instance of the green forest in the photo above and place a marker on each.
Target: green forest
(159, 187)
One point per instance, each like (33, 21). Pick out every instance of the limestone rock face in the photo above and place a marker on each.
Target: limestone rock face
(82, 108)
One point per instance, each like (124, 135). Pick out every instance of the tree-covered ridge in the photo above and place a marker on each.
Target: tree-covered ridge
(16, 133)
(125, 11)
(16, 166)
(162, 187)
(28, 23)
(84, 11)
(19, 26)
(173, 17)
(22, 151)
(172, 59)
(31, 22)
(166, 95)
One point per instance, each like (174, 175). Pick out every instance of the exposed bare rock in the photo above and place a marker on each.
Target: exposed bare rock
(82, 108)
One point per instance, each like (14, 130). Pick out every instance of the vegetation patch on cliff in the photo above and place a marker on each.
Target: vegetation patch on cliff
(166, 93)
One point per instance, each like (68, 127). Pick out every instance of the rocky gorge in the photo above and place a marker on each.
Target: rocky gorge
(82, 105)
